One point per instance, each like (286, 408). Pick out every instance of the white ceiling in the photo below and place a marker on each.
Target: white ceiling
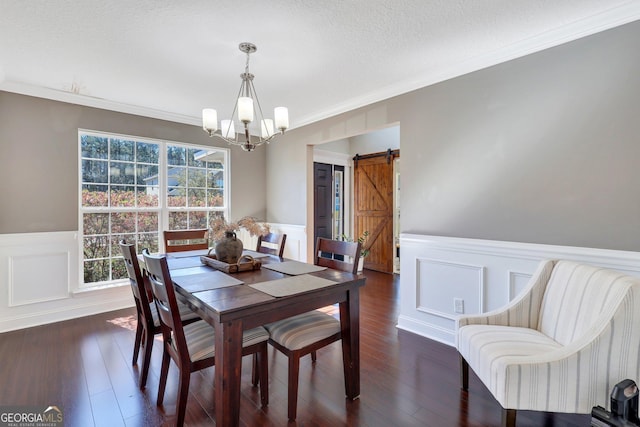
(170, 58)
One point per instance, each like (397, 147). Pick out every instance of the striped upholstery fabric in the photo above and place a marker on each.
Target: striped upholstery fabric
(200, 339)
(576, 294)
(185, 313)
(586, 339)
(304, 329)
(523, 311)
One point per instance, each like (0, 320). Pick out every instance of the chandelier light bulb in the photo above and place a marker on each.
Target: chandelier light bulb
(210, 120)
(281, 114)
(245, 109)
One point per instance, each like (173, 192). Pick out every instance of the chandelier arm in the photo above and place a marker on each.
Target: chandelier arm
(255, 94)
(233, 140)
(235, 104)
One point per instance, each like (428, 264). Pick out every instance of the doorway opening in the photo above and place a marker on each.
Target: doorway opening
(348, 202)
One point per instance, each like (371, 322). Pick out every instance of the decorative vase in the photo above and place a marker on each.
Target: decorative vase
(229, 249)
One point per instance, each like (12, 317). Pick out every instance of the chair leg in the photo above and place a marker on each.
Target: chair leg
(464, 373)
(263, 366)
(136, 342)
(314, 356)
(255, 377)
(508, 418)
(146, 357)
(294, 371)
(183, 394)
(164, 372)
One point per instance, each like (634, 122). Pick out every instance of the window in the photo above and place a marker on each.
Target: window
(338, 208)
(133, 188)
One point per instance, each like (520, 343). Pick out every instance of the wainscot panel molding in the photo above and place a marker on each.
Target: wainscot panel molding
(296, 245)
(485, 274)
(39, 281)
(294, 248)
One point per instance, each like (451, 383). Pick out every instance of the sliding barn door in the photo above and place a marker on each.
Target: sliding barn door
(373, 202)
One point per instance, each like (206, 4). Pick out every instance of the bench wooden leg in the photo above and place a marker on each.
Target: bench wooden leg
(464, 373)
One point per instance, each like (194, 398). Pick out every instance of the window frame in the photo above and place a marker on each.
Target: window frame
(162, 209)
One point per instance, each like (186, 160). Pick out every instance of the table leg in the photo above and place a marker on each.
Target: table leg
(350, 326)
(227, 373)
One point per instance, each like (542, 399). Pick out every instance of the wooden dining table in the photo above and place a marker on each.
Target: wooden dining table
(233, 303)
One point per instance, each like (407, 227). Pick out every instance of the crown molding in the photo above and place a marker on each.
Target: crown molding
(611, 18)
(89, 101)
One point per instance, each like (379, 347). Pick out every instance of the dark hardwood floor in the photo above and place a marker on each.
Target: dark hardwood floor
(84, 367)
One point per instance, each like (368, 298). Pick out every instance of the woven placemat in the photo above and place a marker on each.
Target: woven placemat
(212, 279)
(293, 268)
(292, 285)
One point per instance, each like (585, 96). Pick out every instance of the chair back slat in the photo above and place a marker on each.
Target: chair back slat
(186, 240)
(274, 244)
(326, 249)
(139, 283)
(165, 298)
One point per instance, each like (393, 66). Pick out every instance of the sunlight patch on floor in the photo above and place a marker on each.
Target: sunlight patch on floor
(126, 322)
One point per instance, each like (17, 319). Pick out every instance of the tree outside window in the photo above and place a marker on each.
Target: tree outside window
(132, 189)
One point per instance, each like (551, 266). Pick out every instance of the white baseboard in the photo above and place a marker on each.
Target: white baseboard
(485, 274)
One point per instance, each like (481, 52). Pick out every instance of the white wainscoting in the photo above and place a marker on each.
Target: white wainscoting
(295, 247)
(40, 277)
(485, 274)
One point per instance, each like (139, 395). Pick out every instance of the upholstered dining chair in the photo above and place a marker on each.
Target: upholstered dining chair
(191, 347)
(305, 333)
(186, 240)
(148, 323)
(271, 243)
(561, 345)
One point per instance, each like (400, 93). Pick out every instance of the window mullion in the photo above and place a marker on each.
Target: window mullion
(163, 217)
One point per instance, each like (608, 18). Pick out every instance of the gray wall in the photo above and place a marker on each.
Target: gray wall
(377, 141)
(39, 161)
(542, 149)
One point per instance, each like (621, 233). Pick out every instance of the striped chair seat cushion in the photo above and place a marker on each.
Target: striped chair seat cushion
(185, 313)
(200, 339)
(488, 348)
(299, 331)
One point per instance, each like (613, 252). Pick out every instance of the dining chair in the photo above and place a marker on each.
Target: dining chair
(305, 333)
(274, 244)
(191, 347)
(148, 323)
(186, 240)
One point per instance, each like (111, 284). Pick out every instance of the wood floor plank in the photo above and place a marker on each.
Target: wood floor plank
(406, 380)
(106, 412)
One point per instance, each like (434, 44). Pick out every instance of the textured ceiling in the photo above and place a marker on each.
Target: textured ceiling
(169, 59)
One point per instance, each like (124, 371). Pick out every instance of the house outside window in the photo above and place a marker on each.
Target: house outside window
(134, 188)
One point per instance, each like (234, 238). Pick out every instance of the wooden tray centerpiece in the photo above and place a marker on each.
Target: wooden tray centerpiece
(245, 263)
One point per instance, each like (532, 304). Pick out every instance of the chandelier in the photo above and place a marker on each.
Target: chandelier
(245, 109)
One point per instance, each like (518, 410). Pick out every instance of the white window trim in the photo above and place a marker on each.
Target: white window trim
(163, 210)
